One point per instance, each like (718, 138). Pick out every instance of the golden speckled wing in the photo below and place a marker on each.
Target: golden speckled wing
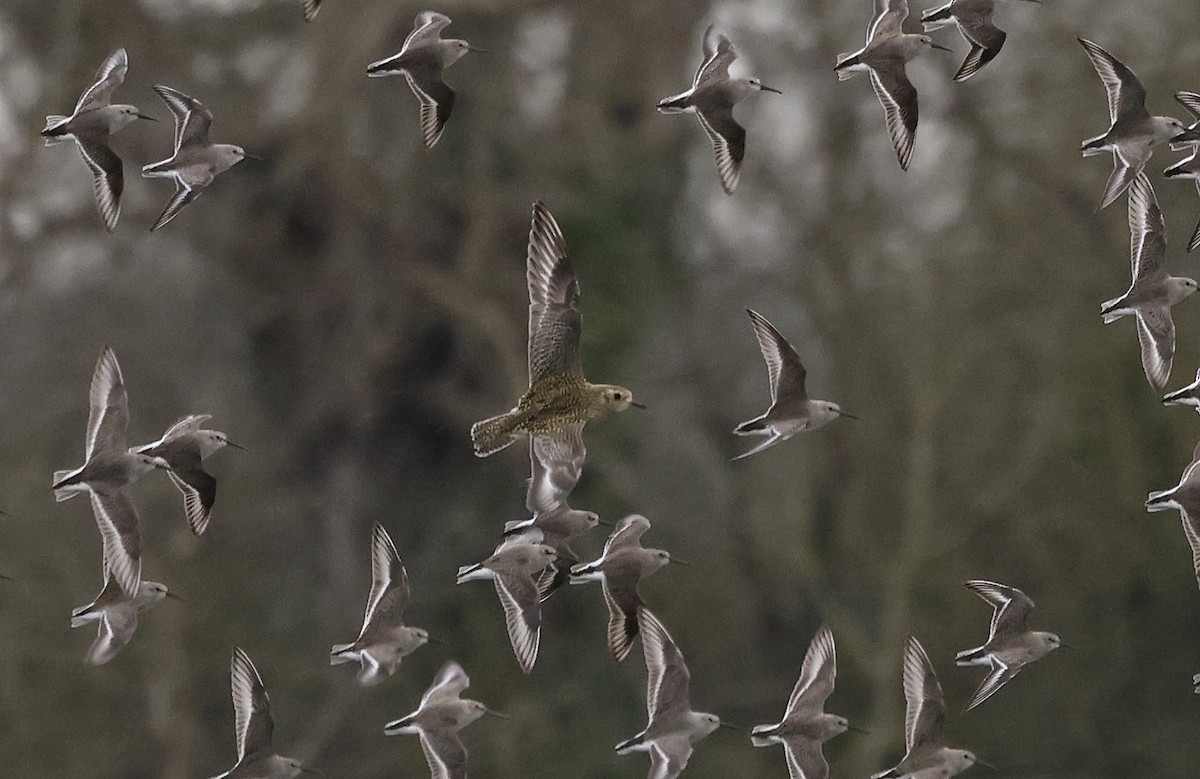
(554, 318)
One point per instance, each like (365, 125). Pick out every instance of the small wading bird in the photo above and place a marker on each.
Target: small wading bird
(887, 51)
(623, 564)
(254, 726)
(674, 726)
(791, 411)
(558, 394)
(421, 61)
(1009, 647)
(196, 161)
(108, 473)
(184, 446)
(93, 120)
(974, 21)
(384, 639)
(1185, 497)
(438, 720)
(926, 755)
(511, 568)
(1152, 291)
(712, 98)
(806, 726)
(117, 615)
(1132, 131)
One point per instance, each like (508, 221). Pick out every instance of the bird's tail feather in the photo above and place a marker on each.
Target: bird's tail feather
(53, 134)
(844, 62)
(969, 656)
(337, 655)
(1157, 501)
(1093, 146)
(495, 433)
(936, 18)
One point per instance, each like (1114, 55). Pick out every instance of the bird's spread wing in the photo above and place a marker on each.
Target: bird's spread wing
(253, 724)
(192, 119)
(925, 706)
(805, 759)
(445, 754)
(898, 97)
(623, 605)
(108, 178)
(1190, 101)
(554, 319)
(114, 632)
(889, 19)
(667, 677)
(1193, 537)
(729, 143)
(117, 519)
(522, 614)
(1156, 336)
(199, 490)
(437, 99)
(1147, 232)
(784, 368)
(188, 424)
(450, 682)
(426, 27)
(1126, 95)
(1010, 606)
(996, 678)
(668, 757)
(627, 533)
(108, 407)
(816, 677)
(718, 55)
(182, 197)
(389, 583)
(108, 78)
(556, 464)
(986, 41)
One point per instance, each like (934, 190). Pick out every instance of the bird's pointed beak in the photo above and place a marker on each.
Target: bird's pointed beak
(766, 88)
(140, 115)
(941, 47)
(173, 596)
(635, 404)
(438, 641)
(254, 157)
(481, 51)
(731, 726)
(985, 764)
(235, 446)
(605, 523)
(847, 416)
(856, 729)
(1065, 645)
(675, 559)
(313, 771)
(495, 713)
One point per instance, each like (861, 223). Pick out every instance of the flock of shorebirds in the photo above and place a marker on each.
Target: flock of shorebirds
(535, 557)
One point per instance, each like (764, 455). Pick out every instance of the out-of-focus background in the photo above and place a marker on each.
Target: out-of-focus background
(346, 308)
